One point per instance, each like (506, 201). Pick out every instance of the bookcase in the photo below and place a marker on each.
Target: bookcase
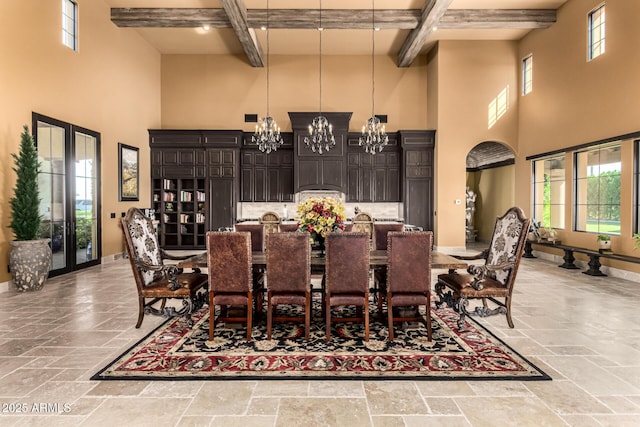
(181, 206)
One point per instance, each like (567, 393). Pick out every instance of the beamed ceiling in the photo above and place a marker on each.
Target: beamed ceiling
(408, 28)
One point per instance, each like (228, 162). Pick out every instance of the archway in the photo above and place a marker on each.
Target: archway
(490, 187)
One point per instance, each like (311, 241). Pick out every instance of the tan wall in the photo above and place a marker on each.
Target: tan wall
(215, 92)
(495, 190)
(112, 86)
(470, 75)
(575, 101)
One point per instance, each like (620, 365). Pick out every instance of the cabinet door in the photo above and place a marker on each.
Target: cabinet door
(220, 203)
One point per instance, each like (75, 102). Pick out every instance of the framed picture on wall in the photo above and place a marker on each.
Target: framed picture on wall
(128, 179)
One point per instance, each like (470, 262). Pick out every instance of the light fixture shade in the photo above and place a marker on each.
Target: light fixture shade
(374, 137)
(320, 137)
(267, 135)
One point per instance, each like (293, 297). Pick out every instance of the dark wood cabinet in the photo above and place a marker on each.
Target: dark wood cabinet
(266, 177)
(194, 183)
(373, 178)
(418, 192)
(313, 171)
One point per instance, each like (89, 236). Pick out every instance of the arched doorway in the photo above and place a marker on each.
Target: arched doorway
(490, 188)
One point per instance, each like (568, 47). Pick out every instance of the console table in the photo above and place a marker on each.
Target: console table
(569, 259)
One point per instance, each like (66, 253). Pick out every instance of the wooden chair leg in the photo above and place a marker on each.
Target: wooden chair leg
(366, 317)
(507, 304)
(270, 309)
(428, 319)
(140, 311)
(212, 316)
(307, 315)
(327, 311)
(390, 315)
(249, 314)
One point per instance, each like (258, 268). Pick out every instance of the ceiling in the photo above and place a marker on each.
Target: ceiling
(407, 27)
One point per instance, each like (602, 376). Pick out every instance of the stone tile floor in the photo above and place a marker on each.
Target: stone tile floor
(583, 331)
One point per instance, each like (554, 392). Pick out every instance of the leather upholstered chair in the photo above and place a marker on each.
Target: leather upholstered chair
(409, 277)
(380, 244)
(287, 227)
(257, 235)
(347, 277)
(156, 281)
(257, 245)
(230, 278)
(494, 279)
(288, 277)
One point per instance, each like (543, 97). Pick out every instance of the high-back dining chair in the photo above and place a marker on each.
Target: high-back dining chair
(155, 280)
(288, 277)
(409, 277)
(347, 277)
(494, 279)
(230, 278)
(257, 245)
(380, 232)
(270, 220)
(287, 227)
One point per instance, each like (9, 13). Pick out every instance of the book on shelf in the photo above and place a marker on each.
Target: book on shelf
(200, 218)
(167, 196)
(167, 184)
(185, 218)
(186, 196)
(200, 196)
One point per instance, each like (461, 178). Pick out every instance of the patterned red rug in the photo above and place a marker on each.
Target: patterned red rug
(176, 352)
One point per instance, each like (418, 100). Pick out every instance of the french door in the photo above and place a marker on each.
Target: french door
(69, 183)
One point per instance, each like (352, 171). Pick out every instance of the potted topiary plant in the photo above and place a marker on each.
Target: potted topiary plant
(30, 256)
(636, 237)
(604, 242)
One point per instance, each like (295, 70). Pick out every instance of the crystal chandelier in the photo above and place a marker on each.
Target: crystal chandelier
(320, 138)
(267, 135)
(374, 136)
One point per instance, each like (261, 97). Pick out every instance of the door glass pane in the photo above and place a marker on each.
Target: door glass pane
(86, 203)
(51, 184)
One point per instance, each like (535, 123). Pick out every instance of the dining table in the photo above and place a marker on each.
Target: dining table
(377, 258)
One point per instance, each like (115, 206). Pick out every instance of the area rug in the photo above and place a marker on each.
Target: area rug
(176, 352)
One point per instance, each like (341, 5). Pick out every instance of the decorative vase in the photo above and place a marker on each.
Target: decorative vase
(605, 245)
(29, 261)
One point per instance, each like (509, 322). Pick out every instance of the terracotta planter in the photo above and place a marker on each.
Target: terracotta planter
(30, 261)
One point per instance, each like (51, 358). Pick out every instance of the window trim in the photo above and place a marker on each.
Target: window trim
(636, 189)
(527, 60)
(590, 28)
(575, 154)
(534, 182)
(74, 18)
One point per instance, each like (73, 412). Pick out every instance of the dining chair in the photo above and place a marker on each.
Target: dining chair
(257, 245)
(230, 278)
(270, 220)
(496, 278)
(287, 227)
(380, 232)
(288, 277)
(409, 277)
(155, 280)
(347, 277)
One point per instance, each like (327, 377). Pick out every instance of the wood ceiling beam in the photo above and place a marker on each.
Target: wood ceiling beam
(341, 19)
(432, 12)
(237, 14)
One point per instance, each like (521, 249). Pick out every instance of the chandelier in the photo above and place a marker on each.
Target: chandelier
(374, 136)
(320, 138)
(267, 135)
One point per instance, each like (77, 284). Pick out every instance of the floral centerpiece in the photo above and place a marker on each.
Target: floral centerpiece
(319, 217)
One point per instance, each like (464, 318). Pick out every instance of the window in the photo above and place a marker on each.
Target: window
(636, 181)
(549, 191)
(597, 184)
(70, 24)
(527, 74)
(596, 32)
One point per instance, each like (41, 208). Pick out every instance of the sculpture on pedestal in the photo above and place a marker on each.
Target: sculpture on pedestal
(469, 212)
